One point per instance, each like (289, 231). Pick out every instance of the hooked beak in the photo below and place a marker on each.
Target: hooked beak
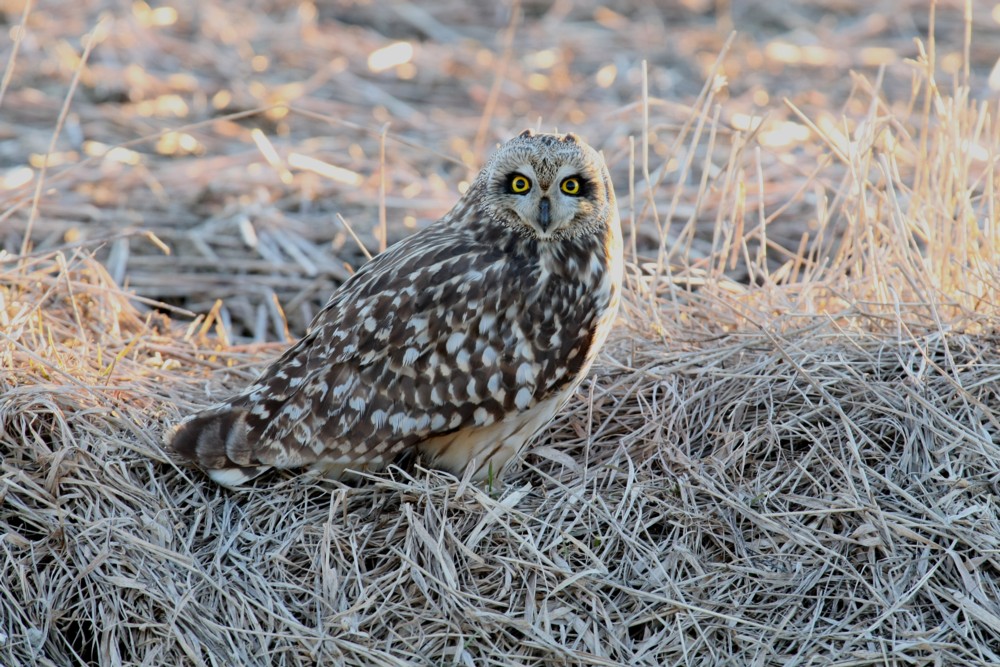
(544, 218)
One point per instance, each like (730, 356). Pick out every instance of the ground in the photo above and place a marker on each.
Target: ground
(786, 454)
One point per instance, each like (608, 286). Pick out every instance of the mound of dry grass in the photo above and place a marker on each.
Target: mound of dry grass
(786, 455)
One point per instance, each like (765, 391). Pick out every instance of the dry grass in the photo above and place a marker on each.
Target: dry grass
(787, 455)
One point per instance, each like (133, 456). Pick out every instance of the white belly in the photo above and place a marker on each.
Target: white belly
(490, 448)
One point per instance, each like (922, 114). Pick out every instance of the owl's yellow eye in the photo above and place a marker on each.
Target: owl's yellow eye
(571, 186)
(519, 184)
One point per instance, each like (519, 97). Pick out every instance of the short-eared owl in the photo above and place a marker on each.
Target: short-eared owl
(459, 342)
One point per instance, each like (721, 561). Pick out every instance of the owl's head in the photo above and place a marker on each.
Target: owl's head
(548, 186)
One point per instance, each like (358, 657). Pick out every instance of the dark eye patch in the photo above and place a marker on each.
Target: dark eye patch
(518, 183)
(585, 189)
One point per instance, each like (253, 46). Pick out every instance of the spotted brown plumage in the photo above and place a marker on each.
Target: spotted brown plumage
(459, 342)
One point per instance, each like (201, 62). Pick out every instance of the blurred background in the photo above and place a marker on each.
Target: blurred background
(245, 151)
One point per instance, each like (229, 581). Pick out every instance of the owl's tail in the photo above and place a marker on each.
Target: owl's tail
(216, 440)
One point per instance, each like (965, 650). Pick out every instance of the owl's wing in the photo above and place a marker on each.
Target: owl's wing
(438, 334)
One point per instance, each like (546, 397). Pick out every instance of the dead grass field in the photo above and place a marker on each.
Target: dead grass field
(787, 454)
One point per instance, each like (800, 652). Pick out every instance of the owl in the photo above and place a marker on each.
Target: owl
(457, 344)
